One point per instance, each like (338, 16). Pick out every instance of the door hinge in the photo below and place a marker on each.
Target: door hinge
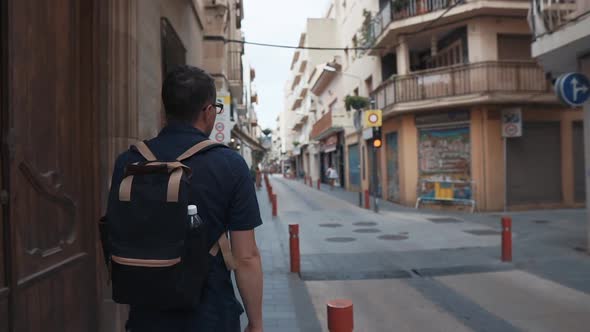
(4, 197)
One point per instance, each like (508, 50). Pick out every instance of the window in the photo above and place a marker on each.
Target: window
(514, 47)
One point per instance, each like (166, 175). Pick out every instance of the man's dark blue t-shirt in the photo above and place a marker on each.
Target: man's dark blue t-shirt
(222, 189)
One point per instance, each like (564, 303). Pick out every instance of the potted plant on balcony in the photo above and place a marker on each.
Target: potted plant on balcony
(367, 34)
(356, 102)
(400, 8)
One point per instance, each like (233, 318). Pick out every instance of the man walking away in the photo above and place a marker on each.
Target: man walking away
(220, 186)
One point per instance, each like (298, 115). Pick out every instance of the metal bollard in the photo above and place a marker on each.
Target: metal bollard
(319, 184)
(367, 200)
(294, 248)
(340, 316)
(270, 193)
(274, 205)
(310, 182)
(506, 239)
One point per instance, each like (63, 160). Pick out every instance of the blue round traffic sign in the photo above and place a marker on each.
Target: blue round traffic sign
(573, 88)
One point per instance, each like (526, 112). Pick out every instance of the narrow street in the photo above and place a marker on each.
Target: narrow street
(408, 270)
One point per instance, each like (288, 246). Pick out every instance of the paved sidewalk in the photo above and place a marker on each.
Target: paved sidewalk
(285, 297)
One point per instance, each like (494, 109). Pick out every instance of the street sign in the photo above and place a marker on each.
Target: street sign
(367, 133)
(373, 118)
(222, 129)
(573, 88)
(512, 123)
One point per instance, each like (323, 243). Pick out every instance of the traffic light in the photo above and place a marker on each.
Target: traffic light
(377, 140)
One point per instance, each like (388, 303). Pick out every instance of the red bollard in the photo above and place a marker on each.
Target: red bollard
(506, 239)
(319, 184)
(367, 200)
(340, 316)
(270, 193)
(294, 248)
(274, 205)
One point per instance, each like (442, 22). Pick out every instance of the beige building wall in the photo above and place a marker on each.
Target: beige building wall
(184, 21)
(482, 35)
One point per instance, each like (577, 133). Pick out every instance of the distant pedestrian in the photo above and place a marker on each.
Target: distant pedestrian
(258, 178)
(332, 175)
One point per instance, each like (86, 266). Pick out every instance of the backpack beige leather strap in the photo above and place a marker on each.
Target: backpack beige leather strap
(125, 189)
(145, 151)
(196, 149)
(223, 245)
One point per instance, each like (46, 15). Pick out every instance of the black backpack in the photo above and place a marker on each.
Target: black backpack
(155, 259)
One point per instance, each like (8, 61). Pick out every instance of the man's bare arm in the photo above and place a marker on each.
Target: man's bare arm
(248, 275)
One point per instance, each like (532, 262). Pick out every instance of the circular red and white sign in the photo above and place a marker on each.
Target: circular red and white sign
(373, 118)
(219, 126)
(219, 137)
(510, 129)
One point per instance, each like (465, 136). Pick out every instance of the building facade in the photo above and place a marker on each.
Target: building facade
(95, 69)
(561, 44)
(445, 74)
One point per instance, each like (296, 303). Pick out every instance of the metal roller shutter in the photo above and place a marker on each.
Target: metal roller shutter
(534, 164)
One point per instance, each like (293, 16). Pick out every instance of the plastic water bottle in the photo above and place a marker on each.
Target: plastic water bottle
(194, 220)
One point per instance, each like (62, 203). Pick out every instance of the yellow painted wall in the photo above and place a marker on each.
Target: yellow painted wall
(408, 149)
(478, 153)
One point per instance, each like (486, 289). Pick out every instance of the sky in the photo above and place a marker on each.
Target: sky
(274, 22)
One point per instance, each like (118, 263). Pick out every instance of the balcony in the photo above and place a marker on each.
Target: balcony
(235, 71)
(560, 28)
(331, 122)
(400, 17)
(462, 85)
(551, 15)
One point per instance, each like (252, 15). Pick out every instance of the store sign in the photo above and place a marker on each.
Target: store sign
(222, 129)
(512, 123)
(442, 118)
(367, 133)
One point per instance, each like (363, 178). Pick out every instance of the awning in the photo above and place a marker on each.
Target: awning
(247, 139)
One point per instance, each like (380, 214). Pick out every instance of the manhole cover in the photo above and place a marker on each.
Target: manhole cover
(541, 221)
(340, 239)
(365, 223)
(483, 232)
(367, 230)
(391, 237)
(330, 225)
(444, 220)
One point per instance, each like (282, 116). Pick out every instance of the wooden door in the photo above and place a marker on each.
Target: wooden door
(52, 166)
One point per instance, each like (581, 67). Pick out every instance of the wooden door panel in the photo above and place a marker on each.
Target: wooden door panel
(44, 313)
(52, 167)
(4, 310)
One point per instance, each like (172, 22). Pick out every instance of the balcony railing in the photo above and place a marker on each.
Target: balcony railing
(400, 9)
(482, 77)
(550, 15)
(322, 125)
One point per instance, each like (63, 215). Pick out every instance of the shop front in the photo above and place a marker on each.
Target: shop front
(444, 157)
(331, 155)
